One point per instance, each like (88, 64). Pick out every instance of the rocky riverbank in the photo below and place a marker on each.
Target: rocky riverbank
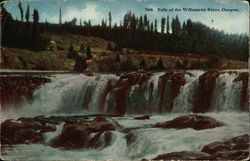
(96, 132)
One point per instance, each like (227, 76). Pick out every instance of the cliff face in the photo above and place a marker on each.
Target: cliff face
(104, 60)
(14, 89)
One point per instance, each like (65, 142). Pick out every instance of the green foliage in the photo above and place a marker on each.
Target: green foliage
(143, 64)
(134, 32)
(109, 46)
(21, 10)
(27, 14)
(110, 19)
(163, 22)
(22, 35)
(89, 53)
(159, 65)
(118, 59)
(35, 16)
(82, 48)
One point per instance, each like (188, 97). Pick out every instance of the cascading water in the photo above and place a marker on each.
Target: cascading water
(163, 95)
(133, 94)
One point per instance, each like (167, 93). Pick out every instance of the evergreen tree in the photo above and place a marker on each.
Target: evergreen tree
(118, 59)
(140, 23)
(152, 27)
(189, 27)
(72, 53)
(110, 19)
(88, 52)
(145, 22)
(27, 14)
(159, 65)
(35, 35)
(168, 27)
(60, 16)
(156, 25)
(82, 48)
(163, 22)
(109, 46)
(89, 23)
(143, 64)
(177, 25)
(184, 29)
(35, 16)
(21, 10)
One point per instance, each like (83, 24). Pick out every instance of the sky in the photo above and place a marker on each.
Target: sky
(95, 10)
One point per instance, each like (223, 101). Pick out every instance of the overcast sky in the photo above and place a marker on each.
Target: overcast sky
(95, 10)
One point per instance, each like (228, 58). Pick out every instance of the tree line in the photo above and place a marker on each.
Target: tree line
(22, 34)
(139, 33)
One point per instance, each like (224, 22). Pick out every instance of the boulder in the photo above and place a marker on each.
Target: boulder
(230, 155)
(24, 131)
(14, 88)
(183, 155)
(217, 146)
(52, 46)
(234, 149)
(146, 117)
(89, 134)
(196, 122)
(235, 144)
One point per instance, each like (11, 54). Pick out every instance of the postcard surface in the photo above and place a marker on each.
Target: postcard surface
(124, 80)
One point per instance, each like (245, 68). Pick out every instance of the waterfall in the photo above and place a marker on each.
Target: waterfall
(139, 93)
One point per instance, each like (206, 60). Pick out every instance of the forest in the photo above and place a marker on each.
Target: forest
(133, 32)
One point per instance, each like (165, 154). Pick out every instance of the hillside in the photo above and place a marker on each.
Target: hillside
(104, 60)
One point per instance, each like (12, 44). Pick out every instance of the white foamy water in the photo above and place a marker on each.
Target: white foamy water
(71, 94)
(80, 94)
(149, 142)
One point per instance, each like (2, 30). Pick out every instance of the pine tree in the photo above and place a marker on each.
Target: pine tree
(152, 27)
(160, 65)
(88, 52)
(178, 26)
(168, 27)
(72, 53)
(163, 22)
(109, 46)
(143, 64)
(118, 59)
(184, 28)
(189, 27)
(145, 22)
(21, 10)
(60, 16)
(35, 16)
(82, 48)
(140, 23)
(27, 14)
(110, 19)
(156, 25)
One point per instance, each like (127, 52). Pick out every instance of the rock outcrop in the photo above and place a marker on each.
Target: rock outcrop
(204, 92)
(13, 89)
(88, 134)
(145, 117)
(78, 131)
(24, 130)
(196, 122)
(234, 149)
(244, 77)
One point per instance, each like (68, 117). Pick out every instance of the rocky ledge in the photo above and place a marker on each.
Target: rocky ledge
(196, 122)
(78, 131)
(234, 149)
(14, 88)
